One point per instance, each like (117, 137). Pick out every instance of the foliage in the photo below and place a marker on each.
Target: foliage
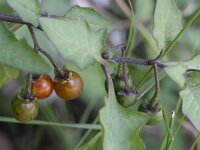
(79, 36)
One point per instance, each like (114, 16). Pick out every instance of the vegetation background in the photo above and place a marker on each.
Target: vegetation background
(85, 109)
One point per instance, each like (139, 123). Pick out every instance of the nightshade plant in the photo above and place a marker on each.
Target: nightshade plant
(80, 37)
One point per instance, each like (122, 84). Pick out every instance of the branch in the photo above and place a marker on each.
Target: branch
(138, 61)
(38, 48)
(15, 19)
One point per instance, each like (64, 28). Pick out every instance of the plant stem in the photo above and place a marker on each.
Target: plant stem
(176, 131)
(26, 92)
(14, 19)
(169, 132)
(193, 18)
(171, 124)
(37, 47)
(138, 61)
(154, 100)
(124, 70)
(169, 47)
(195, 141)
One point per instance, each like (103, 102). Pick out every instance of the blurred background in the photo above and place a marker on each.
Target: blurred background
(85, 109)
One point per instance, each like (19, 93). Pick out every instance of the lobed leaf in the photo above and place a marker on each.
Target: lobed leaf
(27, 9)
(19, 55)
(74, 39)
(93, 18)
(121, 125)
(167, 22)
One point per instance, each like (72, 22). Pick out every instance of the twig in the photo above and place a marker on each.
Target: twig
(14, 19)
(38, 48)
(154, 100)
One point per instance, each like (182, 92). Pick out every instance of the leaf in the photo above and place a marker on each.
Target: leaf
(7, 74)
(121, 125)
(27, 9)
(191, 104)
(92, 144)
(193, 78)
(167, 22)
(58, 7)
(194, 63)
(178, 71)
(74, 39)
(19, 55)
(94, 18)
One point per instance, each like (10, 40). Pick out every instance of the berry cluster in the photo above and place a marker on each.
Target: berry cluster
(25, 105)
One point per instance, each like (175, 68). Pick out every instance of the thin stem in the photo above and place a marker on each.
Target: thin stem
(169, 47)
(87, 133)
(48, 123)
(14, 19)
(178, 105)
(122, 5)
(169, 132)
(154, 100)
(121, 65)
(171, 124)
(125, 71)
(138, 61)
(176, 131)
(26, 92)
(193, 18)
(195, 141)
(38, 48)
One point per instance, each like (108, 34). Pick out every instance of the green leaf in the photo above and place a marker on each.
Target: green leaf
(94, 18)
(27, 9)
(4, 7)
(19, 55)
(121, 125)
(194, 63)
(92, 144)
(167, 22)
(191, 104)
(7, 74)
(193, 78)
(178, 71)
(58, 7)
(74, 39)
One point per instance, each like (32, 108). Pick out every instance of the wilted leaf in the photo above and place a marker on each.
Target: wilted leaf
(121, 125)
(18, 54)
(7, 74)
(167, 22)
(27, 9)
(93, 18)
(74, 39)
